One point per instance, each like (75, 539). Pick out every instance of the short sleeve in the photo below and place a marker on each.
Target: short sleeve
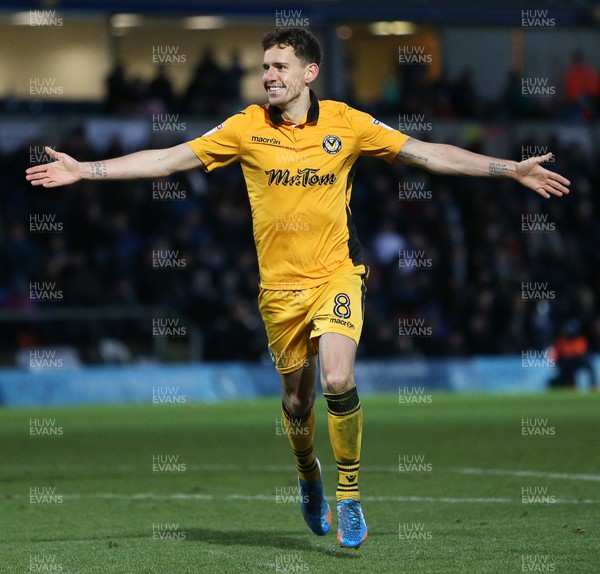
(374, 138)
(221, 145)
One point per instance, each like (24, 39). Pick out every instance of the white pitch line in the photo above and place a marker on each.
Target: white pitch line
(273, 498)
(209, 467)
(520, 473)
(394, 470)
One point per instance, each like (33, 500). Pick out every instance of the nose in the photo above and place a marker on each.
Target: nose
(269, 75)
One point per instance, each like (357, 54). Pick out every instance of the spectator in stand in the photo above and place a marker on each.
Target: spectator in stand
(160, 93)
(441, 97)
(204, 92)
(118, 91)
(514, 103)
(391, 96)
(570, 354)
(233, 79)
(582, 88)
(465, 99)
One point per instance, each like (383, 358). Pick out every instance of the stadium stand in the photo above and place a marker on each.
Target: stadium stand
(456, 254)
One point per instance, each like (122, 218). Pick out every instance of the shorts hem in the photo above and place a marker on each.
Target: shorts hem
(337, 330)
(288, 370)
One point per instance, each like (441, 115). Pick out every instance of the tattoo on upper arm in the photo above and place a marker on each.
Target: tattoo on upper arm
(496, 168)
(412, 157)
(99, 169)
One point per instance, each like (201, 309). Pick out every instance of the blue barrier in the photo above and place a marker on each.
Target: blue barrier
(201, 382)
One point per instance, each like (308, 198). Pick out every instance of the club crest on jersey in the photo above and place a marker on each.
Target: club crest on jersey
(332, 144)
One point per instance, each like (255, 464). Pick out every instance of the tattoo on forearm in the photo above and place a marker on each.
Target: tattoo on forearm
(498, 169)
(99, 169)
(412, 156)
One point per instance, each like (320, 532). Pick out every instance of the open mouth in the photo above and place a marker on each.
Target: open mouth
(275, 89)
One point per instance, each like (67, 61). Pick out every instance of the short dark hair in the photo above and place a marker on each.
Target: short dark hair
(306, 46)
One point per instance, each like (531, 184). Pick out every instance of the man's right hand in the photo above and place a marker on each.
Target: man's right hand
(63, 171)
(145, 164)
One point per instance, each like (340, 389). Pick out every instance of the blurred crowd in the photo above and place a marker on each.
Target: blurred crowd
(485, 266)
(211, 90)
(458, 266)
(455, 271)
(576, 98)
(214, 89)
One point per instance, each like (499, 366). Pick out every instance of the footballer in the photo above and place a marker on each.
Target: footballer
(297, 154)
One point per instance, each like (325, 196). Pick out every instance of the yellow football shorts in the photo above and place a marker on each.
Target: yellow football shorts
(295, 319)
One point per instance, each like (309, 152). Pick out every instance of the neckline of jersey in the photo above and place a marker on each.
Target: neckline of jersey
(276, 114)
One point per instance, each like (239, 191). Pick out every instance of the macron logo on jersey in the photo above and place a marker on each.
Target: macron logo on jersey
(259, 139)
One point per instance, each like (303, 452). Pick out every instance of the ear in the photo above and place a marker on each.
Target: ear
(310, 73)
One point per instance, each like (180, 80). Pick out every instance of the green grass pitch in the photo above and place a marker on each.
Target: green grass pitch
(463, 484)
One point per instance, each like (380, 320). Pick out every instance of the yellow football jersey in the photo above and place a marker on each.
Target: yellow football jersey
(299, 183)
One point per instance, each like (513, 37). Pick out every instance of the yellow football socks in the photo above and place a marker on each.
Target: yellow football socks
(300, 432)
(344, 414)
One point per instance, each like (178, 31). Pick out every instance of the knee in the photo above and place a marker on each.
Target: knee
(299, 403)
(336, 382)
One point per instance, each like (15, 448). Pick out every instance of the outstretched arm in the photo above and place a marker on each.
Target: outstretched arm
(142, 164)
(451, 160)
